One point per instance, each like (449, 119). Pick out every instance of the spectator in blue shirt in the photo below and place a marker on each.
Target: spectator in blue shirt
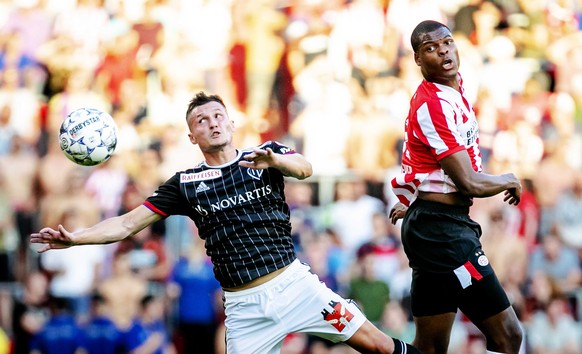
(61, 334)
(100, 334)
(197, 289)
(152, 320)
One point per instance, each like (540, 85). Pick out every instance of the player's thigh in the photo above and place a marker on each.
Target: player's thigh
(250, 327)
(433, 332)
(319, 311)
(484, 299)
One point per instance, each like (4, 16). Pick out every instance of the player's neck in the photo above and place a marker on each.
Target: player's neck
(220, 157)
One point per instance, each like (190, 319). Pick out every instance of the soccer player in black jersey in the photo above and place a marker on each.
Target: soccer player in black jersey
(236, 198)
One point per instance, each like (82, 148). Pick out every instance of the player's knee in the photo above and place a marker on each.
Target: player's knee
(381, 343)
(375, 342)
(515, 337)
(508, 343)
(436, 346)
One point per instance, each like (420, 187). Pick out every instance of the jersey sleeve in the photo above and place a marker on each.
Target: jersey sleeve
(278, 148)
(167, 199)
(438, 128)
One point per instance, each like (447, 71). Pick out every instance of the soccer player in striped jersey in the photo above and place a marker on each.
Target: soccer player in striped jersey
(441, 173)
(236, 198)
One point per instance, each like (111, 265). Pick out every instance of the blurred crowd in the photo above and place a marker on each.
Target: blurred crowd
(330, 78)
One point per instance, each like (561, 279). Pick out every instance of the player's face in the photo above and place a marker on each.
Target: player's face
(438, 57)
(210, 127)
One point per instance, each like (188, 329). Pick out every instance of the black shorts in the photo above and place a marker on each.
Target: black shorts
(450, 269)
(439, 237)
(439, 293)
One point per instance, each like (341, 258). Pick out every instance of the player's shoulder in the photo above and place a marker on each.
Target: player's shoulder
(179, 175)
(274, 145)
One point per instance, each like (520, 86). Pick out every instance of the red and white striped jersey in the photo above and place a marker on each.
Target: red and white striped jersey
(440, 122)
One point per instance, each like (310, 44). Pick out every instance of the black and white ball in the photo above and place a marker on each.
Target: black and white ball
(88, 136)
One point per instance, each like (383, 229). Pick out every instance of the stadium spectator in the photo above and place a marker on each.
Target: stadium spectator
(9, 239)
(371, 293)
(196, 291)
(559, 261)
(23, 103)
(554, 330)
(153, 320)
(32, 22)
(74, 275)
(100, 335)
(29, 311)
(568, 224)
(18, 170)
(122, 292)
(395, 322)
(60, 334)
(264, 49)
(351, 214)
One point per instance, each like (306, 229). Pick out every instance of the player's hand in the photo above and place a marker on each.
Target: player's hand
(513, 195)
(52, 239)
(397, 212)
(259, 159)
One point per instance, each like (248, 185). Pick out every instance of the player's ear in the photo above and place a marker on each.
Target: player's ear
(416, 58)
(192, 139)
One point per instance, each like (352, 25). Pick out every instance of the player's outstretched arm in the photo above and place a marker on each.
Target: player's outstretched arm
(292, 165)
(480, 185)
(107, 231)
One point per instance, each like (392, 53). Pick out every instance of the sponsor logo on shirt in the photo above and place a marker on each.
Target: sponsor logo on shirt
(200, 176)
(469, 132)
(202, 187)
(238, 199)
(201, 210)
(337, 315)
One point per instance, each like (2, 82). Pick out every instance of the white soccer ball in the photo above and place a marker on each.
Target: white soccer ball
(88, 136)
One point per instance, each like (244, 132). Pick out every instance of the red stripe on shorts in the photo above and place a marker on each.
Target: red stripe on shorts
(473, 271)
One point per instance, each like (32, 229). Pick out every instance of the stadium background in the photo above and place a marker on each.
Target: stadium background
(331, 78)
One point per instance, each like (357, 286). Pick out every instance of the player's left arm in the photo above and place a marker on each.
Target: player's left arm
(290, 164)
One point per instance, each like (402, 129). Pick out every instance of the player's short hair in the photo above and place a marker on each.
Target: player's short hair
(200, 99)
(422, 28)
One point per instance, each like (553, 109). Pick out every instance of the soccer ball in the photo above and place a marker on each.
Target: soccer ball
(88, 136)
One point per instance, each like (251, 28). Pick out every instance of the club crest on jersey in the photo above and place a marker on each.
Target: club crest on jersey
(256, 174)
(337, 315)
(200, 176)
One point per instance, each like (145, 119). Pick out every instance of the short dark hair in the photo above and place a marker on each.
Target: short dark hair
(422, 28)
(200, 99)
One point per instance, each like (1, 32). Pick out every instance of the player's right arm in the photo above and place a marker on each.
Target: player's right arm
(107, 231)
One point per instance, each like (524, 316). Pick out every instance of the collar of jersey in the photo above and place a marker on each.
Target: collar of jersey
(236, 158)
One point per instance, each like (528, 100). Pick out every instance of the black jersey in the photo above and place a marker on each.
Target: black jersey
(241, 214)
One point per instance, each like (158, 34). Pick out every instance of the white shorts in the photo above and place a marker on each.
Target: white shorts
(259, 319)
